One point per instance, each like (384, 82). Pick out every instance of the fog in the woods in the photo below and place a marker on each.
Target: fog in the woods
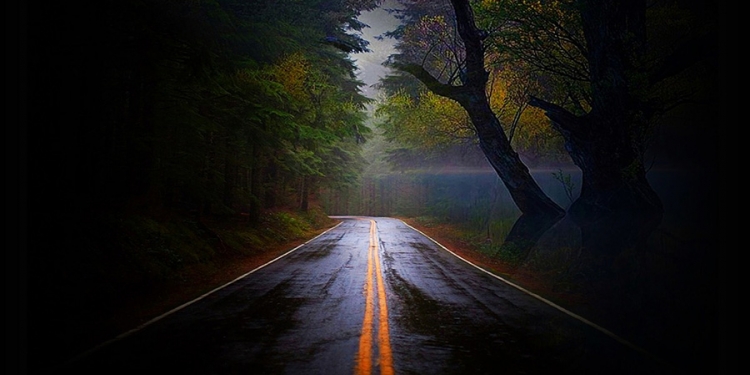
(170, 141)
(628, 266)
(370, 64)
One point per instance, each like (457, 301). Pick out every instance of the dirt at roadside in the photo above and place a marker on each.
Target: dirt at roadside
(525, 278)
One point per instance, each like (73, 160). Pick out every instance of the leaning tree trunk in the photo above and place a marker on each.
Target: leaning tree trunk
(471, 95)
(605, 143)
(524, 190)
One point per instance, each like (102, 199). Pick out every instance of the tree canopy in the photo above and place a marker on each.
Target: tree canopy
(428, 37)
(208, 105)
(603, 73)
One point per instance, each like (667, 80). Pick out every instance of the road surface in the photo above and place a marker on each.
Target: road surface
(369, 296)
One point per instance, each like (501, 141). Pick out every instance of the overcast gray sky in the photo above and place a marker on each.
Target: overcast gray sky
(370, 63)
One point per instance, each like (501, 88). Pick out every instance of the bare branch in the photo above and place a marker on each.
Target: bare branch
(516, 118)
(558, 115)
(418, 71)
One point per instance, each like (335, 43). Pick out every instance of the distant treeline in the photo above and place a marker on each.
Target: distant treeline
(459, 196)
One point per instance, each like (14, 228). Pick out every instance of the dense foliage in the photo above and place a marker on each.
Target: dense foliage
(539, 49)
(216, 106)
(428, 37)
(168, 138)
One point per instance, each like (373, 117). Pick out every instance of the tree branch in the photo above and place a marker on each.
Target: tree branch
(442, 89)
(472, 38)
(683, 57)
(563, 118)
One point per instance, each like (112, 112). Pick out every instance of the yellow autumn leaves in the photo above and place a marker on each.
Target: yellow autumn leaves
(431, 122)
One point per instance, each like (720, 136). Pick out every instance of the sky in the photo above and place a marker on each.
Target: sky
(370, 63)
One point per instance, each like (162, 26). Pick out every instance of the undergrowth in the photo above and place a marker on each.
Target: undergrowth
(113, 257)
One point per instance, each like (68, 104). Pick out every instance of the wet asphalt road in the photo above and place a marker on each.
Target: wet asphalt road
(371, 295)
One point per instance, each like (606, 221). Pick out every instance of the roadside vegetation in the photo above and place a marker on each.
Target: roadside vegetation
(127, 269)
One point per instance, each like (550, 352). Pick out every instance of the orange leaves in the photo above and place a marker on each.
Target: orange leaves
(292, 72)
(433, 43)
(428, 32)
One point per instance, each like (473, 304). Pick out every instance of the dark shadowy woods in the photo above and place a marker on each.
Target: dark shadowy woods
(42, 206)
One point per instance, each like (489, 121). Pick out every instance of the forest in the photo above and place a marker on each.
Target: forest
(161, 140)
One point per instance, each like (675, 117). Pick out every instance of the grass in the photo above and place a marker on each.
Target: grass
(542, 273)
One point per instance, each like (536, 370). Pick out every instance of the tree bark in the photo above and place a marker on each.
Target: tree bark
(471, 95)
(604, 143)
(305, 194)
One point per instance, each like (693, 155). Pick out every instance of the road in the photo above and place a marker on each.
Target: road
(369, 296)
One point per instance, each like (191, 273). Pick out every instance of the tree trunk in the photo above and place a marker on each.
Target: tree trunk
(230, 177)
(471, 95)
(605, 142)
(524, 190)
(305, 194)
(255, 186)
(613, 174)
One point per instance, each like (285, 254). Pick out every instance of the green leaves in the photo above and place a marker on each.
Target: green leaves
(228, 103)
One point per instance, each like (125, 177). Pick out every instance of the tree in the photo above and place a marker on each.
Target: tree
(177, 104)
(430, 125)
(604, 142)
(466, 83)
(611, 69)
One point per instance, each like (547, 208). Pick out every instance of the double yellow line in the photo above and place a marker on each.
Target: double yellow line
(364, 359)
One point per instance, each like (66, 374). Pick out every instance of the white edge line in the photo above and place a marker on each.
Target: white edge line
(556, 306)
(186, 304)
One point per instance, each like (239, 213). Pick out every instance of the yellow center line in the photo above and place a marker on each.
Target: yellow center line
(384, 340)
(364, 358)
